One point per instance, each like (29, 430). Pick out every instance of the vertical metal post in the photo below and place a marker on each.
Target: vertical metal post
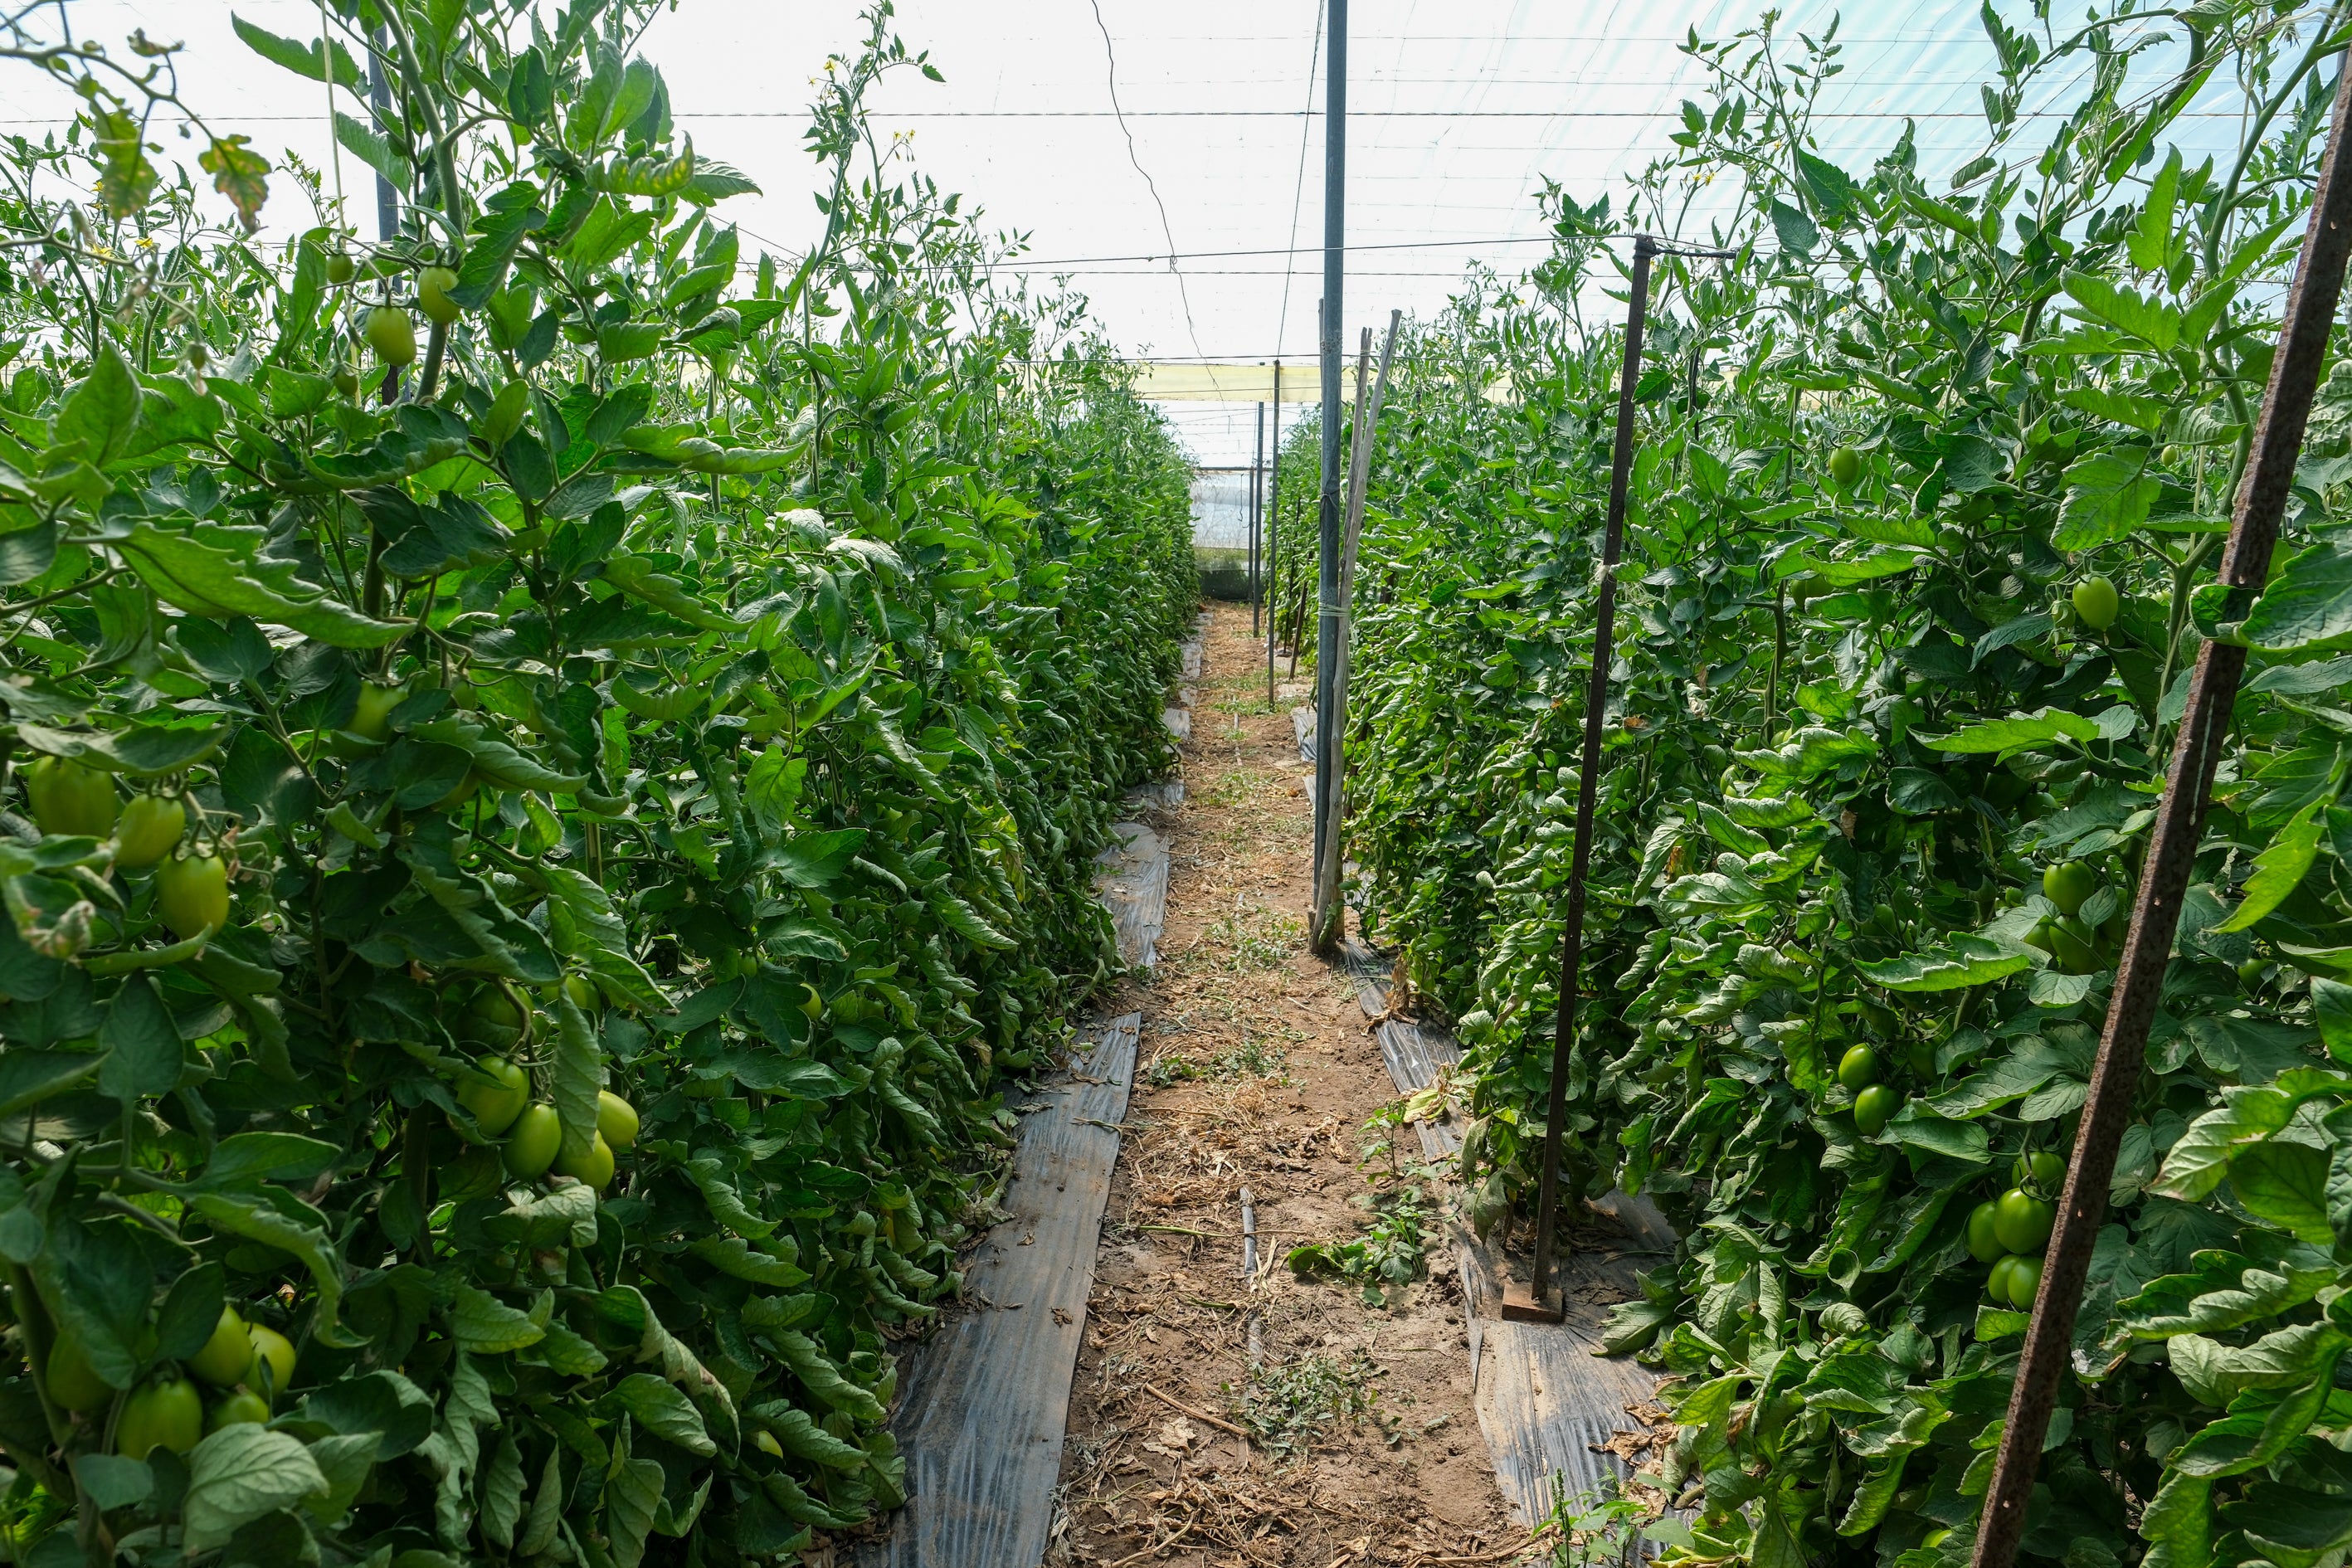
(1326, 572)
(1272, 530)
(2172, 850)
(1588, 783)
(1330, 916)
(387, 200)
(1257, 514)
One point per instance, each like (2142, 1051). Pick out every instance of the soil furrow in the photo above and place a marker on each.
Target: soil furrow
(1257, 1072)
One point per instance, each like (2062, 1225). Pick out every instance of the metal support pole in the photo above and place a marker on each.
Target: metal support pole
(1539, 1301)
(1327, 573)
(387, 199)
(1258, 512)
(1272, 530)
(1330, 918)
(2172, 850)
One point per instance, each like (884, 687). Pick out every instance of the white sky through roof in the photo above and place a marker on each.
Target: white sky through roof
(1458, 111)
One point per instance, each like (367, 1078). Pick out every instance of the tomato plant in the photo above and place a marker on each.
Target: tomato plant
(1930, 485)
(612, 806)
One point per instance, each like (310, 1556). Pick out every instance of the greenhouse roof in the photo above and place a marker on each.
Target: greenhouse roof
(1168, 160)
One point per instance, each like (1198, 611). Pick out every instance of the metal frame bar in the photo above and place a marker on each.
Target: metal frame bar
(1539, 1303)
(1326, 573)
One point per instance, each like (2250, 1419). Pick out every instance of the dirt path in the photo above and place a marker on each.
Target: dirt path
(1257, 1072)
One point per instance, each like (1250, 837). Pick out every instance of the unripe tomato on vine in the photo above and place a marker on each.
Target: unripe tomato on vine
(433, 286)
(150, 828)
(392, 335)
(70, 798)
(192, 890)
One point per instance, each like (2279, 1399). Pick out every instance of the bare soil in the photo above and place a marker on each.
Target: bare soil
(1257, 1071)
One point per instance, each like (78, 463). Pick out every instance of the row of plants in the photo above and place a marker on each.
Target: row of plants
(549, 780)
(1931, 483)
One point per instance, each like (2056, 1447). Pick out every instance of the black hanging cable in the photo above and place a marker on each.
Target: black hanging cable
(1110, 57)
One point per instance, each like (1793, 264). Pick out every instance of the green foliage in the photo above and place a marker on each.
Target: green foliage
(1287, 1407)
(1853, 719)
(1391, 1249)
(685, 682)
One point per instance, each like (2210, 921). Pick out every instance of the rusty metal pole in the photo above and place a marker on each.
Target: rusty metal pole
(1538, 1303)
(2172, 852)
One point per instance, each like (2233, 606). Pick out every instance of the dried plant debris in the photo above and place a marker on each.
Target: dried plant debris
(1357, 1440)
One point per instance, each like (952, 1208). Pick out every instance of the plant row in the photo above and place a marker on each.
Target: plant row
(1931, 483)
(550, 781)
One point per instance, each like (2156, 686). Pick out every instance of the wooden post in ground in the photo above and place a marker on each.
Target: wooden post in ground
(1330, 918)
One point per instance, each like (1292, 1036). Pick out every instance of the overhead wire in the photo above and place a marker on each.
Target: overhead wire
(1299, 188)
(1110, 57)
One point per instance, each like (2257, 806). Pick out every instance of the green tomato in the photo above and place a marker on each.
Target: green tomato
(192, 893)
(495, 1093)
(1845, 467)
(2069, 885)
(1984, 1245)
(2251, 972)
(616, 1120)
(71, 1382)
(243, 1409)
(166, 1413)
(273, 1357)
(1997, 1283)
(2041, 936)
(2043, 1174)
(341, 268)
(1874, 1107)
(151, 827)
(492, 1017)
(392, 335)
(2096, 601)
(583, 992)
(458, 796)
(70, 799)
(2075, 946)
(2024, 1281)
(433, 286)
(1858, 1069)
(227, 1359)
(594, 1168)
(371, 719)
(2023, 1221)
(536, 1138)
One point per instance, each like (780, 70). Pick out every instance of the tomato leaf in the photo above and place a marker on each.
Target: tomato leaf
(2279, 869)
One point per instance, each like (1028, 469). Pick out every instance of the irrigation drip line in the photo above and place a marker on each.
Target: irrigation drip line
(2171, 856)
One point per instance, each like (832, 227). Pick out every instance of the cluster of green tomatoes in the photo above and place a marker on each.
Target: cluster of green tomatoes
(1875, 1104)
(2075, 946)
(149, 833)
(389, 329)
(496, 1090)
(248, 1365)
(2010, 1231)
